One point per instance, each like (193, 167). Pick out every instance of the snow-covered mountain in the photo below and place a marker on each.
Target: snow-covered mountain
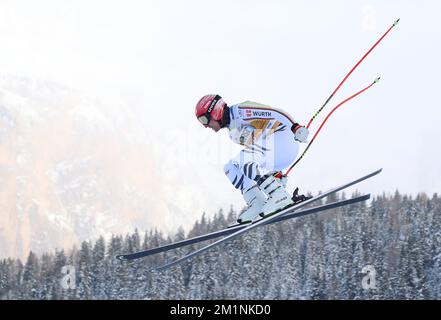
(71, 168)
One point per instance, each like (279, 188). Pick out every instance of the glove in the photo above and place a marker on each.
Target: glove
(300, 133)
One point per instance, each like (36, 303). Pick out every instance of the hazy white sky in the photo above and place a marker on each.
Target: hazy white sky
(161, 56)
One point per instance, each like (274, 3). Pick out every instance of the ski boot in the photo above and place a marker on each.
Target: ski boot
(278, 196)
(255, 200)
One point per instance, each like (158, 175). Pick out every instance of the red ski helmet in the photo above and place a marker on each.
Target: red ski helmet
(210, 107)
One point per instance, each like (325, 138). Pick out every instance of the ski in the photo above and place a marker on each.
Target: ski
(236, 227)
(263, 221)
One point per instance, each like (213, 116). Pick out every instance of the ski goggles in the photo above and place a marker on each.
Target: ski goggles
(204, 119)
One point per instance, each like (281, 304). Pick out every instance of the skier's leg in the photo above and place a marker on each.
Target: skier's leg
(282, 150)
(235, 174)
(242, 171)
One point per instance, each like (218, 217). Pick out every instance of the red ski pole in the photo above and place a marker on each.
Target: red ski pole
(350, 72)
(326, 119)
(344, 101)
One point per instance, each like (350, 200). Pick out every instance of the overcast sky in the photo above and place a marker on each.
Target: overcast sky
(160, 57)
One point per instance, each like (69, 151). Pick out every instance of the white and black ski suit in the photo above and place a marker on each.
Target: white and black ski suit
(269, 143)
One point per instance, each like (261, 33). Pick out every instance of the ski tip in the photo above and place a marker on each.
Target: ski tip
(377, 80)
(375, 172)
(121, 257)
(396, 21)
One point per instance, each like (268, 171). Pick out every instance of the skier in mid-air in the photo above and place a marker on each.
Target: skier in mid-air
(271, 138)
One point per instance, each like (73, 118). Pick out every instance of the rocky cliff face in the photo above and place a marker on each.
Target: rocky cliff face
(71, 168)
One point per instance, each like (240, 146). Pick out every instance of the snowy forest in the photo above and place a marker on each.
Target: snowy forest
(319, 256)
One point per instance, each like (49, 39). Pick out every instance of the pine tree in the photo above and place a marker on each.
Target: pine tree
(57, 291)
(117, 271)
(288, 264)
(31, 276)
(98, 269)
(8, 278)
(46, 277)
(85, 276)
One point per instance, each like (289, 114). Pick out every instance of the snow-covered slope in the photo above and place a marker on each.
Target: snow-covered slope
(71, 168)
